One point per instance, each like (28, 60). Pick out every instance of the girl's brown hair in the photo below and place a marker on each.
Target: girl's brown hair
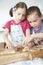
(18, 5)
(33, 9)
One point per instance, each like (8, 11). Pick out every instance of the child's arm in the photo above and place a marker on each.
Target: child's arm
(30, 38)
(7, 41)
(27, 32)
(33, 36)
(37, 35)
(26, 37)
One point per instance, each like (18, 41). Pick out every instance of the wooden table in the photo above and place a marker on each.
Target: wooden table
(8, 56)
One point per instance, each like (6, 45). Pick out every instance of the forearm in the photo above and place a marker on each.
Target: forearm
(7, 41)
(37, 35)
(27, 32)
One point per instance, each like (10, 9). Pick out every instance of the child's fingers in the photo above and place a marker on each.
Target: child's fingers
(9, 46)
(19, 46)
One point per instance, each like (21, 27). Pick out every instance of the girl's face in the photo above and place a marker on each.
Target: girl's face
(20, 14)
(34, 20)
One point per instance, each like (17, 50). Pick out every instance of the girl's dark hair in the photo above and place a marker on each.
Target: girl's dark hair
(18, 5)
(33, 9)
(11, 12)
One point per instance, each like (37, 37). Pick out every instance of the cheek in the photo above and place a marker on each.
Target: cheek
(37, 23)
(31, 24)
(16, 16)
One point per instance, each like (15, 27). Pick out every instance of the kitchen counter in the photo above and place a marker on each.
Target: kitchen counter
(9, 56)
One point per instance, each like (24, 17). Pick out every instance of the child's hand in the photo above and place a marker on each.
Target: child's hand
(27, 40)
(19, 46)
(10, 46)
(30, 44)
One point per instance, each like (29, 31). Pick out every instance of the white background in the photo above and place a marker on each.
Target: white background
(5, 6)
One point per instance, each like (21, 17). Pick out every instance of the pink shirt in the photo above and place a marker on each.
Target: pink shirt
(24, 25)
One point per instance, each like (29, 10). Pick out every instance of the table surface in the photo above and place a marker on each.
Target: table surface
(8, 56)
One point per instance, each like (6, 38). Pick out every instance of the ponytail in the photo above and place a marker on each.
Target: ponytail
(11, 12)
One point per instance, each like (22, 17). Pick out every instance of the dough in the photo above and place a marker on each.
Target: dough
(6, 51)
(25, 49)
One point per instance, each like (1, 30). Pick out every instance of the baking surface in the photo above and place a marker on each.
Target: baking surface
(8, 56)
(12, 57)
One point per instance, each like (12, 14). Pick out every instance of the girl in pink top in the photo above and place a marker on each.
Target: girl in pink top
(18, 28)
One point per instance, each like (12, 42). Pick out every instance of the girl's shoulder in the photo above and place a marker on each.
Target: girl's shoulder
(25, 21)
(11, 21)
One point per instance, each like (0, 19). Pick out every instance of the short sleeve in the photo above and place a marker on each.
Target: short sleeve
(7, 25)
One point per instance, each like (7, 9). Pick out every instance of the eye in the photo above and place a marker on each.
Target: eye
(35, 21)
(18, 13)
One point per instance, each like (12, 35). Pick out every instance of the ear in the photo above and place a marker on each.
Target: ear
(42, 17)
